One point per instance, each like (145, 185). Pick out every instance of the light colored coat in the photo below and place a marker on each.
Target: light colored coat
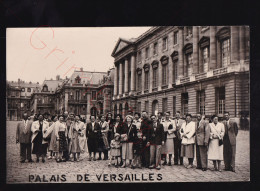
(170, 132)
(189, 130)
(36, 126)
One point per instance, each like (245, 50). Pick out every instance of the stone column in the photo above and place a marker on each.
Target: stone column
(213, 48)
(66, 101)
(126, 75)
(115, 81)
(133, 73)
(181, 60)
(234, 44)
(120, 78)
(242, 42)
(35, 104)
(143, 80)
(196, 63)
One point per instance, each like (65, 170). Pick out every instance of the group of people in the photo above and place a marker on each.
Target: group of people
(136, 141)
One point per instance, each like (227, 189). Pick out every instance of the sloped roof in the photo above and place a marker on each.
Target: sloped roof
(23, 84)
(52, 84)
(121, 44)
(87, 77)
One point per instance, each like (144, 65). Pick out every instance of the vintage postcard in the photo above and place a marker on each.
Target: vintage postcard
(127, 104)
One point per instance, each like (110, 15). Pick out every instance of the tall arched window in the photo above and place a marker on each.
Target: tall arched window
(155, 73)
(146, 76)
(139, 79)
(223, 37)
(204, 49)
(174, 67)
(155, 107)
(188, 59)
(165, 76)
(120, 109)
(115, 110)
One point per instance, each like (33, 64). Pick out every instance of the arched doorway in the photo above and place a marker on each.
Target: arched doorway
(115, 110)
(155, 107)
(126, 108)
(93, 111)
(120, 109)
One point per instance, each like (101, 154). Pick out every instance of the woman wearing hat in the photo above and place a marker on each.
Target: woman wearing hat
(128, 134)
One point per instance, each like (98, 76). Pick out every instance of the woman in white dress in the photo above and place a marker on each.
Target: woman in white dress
(168, 148)
(215, 152)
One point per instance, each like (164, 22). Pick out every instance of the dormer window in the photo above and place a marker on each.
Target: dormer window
(45, 88)
(77, 80)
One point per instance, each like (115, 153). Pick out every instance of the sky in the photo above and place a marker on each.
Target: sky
(36, 54)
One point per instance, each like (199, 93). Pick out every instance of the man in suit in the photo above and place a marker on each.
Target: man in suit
(229, 143)
(93, 132)
(23, 136)
(177, 140)
(146, 124)
(155, 140)
(201, 140)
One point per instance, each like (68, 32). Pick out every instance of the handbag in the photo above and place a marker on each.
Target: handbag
(220, 141)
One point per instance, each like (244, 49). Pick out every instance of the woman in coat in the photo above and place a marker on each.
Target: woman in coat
(77, 129)
(52, 144)
(61, 133)
(40, 145)
(168, 148)
(103, 144)
(110, 122)
(215, 152)
(128, 135)
(187, 132)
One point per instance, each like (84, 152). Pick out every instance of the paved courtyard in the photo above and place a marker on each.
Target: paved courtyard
(98, 171)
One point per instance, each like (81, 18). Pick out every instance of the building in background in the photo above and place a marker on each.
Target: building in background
(188, 69)
(84, 93)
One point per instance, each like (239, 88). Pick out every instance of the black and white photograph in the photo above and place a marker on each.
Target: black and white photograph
(127, 104)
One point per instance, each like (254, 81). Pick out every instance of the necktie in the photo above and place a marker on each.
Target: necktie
(25, 127)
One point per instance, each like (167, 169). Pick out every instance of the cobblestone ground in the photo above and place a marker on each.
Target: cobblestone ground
(19, 173)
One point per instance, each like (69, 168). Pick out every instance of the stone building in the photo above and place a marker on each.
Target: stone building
(18, 95)
(84, 93)
(190, 69)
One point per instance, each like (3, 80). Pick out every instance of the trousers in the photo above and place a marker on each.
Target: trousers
(155, 154)
(25, 151)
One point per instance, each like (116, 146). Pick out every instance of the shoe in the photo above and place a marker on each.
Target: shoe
(140, 167)
(116, 166)
(175, 163)
(204, 169)
(227, 169)
(43, 160)
(94, 159)
(109, 164)
(151, 167)
(77, 160)
(30, 160)
(99, 158)
(37, 160)
(58, 160)
(22, 161)
(164, 163)
(49, 157)
(232, 169)
(158, 167)
(169, 164)
(189, 166)
(89, 159)
(133, 167)
(72, 160)
(198, 167)
(219, 170)
(63, 160)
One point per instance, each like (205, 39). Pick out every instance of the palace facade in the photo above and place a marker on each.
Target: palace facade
(189, 69)
(84, 93)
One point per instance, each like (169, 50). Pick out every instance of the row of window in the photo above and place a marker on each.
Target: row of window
(225, 56)
(28, 90)
(220, 103)
(188, 33)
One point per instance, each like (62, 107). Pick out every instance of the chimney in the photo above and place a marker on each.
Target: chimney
(58, 77)
(81, 69)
